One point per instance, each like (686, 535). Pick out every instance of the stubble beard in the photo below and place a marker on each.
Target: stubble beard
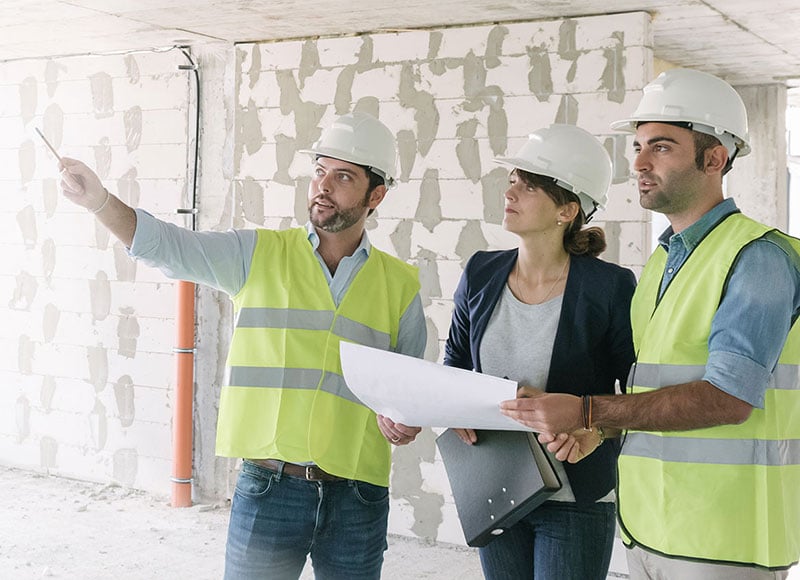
(672, 193)
(340, 220)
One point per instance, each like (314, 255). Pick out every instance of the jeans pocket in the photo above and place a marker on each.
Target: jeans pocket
(370, 494)
(254, 482)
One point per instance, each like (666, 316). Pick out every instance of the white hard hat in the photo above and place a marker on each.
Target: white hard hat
(361, 139)
(707, 104)
(573, 157)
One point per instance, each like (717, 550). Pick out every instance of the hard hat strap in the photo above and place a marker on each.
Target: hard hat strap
(590, 215)
(378, 172)
(731, 157)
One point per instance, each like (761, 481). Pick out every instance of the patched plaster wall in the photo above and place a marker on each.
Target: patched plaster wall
(86, 365)
(86, 371)
(455, 98)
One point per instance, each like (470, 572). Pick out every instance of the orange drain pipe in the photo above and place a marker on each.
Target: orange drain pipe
(182, 424)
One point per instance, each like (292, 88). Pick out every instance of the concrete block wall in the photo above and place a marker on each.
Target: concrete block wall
(455, 98)
(87, 371)
(86, 357)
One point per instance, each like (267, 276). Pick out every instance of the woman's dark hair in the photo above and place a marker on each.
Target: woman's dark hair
(577, 241)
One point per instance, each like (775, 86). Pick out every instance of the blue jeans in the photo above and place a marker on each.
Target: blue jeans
(277, 520)
(556, 541)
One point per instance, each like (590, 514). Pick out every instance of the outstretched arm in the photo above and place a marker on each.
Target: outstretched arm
(81, 186)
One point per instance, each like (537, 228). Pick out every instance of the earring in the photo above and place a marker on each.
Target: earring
(558, 223)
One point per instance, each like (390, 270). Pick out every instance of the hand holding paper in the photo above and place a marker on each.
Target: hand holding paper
(397, 433)
(546, 413)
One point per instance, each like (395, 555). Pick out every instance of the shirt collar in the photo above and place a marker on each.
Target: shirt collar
(313, 238)
(695, 233)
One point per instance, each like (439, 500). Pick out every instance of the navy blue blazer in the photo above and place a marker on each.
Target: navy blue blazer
(593, 346)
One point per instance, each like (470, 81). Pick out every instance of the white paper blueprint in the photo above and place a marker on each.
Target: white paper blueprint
(420, 393)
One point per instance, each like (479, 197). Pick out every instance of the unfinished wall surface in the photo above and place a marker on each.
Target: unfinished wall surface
(86, 370)
(455, 98)
(758, 182)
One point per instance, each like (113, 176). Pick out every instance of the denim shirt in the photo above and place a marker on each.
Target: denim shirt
(760, 304)
(222, 260)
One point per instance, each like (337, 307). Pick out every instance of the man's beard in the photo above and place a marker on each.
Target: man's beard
(671, 193)
(341, 218)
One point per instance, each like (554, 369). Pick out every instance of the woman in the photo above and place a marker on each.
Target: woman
(551, 315)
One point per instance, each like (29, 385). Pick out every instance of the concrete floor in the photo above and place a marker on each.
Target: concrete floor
(53, 527)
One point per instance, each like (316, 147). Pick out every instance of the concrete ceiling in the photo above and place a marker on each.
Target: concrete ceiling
(744, 41)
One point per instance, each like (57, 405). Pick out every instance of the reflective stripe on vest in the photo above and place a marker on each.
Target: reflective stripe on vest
(722, 451)
(343, 327)
(284, 396)
(280, 378)
(724, 494)
(294, 378)
(654, 376)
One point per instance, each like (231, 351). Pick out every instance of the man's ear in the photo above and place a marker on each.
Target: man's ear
(716, 158)
(376, 196)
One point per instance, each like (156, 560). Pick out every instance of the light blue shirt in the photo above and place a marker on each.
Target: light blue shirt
(760, 304)
(222, 260)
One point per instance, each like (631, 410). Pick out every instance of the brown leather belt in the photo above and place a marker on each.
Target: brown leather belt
(307, 472)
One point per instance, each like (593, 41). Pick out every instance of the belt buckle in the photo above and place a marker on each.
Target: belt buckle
(310, 473)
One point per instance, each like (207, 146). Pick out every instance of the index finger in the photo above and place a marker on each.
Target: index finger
(546, 437)
(526, 392)
(68, 178)
(407, 430)
(518, 404)
(69, 163)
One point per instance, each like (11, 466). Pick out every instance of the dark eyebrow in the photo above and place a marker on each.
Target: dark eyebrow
(656, 140)
(346, 170)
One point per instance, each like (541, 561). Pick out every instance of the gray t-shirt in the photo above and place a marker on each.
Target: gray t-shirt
(518, 344)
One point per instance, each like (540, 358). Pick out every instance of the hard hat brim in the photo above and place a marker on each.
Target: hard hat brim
(342, 156)
(629, 126)
(587, 202)
(519, 163)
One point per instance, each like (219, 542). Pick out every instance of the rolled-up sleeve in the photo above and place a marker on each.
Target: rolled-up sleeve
(754, 317)
(217, 259)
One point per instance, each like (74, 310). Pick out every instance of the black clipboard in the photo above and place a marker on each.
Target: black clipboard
(497, 481)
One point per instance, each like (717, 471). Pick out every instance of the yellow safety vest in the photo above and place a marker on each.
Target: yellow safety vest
(725, 494)
(285, 397)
